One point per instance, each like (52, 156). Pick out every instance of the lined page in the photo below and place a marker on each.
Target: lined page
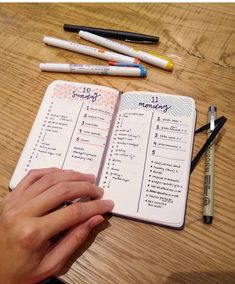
(147, 166)
(70, 130)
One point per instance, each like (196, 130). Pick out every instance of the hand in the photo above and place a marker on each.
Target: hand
(29, 221)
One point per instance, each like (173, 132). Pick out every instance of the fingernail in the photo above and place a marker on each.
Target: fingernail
(96, 221)
(109, 204)
(100, 190)
(90, 177)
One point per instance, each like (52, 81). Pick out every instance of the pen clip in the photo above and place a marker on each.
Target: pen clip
(212, 117)
(139, 41)
(143, 70)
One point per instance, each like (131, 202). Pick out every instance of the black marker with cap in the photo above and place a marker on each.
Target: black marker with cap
(116, 34)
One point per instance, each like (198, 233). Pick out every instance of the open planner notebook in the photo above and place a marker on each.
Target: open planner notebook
(138, 144)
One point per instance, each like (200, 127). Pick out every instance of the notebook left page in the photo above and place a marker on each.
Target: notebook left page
(70, 129)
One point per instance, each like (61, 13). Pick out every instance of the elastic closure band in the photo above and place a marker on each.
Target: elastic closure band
(219, 123)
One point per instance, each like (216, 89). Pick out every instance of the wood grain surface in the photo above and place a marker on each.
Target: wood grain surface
(200, 39)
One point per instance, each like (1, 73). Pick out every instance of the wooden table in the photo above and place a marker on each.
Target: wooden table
(200, 39)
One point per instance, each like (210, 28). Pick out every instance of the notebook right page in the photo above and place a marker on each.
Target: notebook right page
(147, 166)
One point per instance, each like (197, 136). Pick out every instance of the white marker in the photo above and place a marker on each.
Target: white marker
(120, 69)
(156, 60)
(88, 50)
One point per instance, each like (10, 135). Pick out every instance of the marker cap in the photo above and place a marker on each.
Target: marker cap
(170, 65)
(143, 71)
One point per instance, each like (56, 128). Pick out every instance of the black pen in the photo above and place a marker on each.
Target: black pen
(122, 35)
(208, 200)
